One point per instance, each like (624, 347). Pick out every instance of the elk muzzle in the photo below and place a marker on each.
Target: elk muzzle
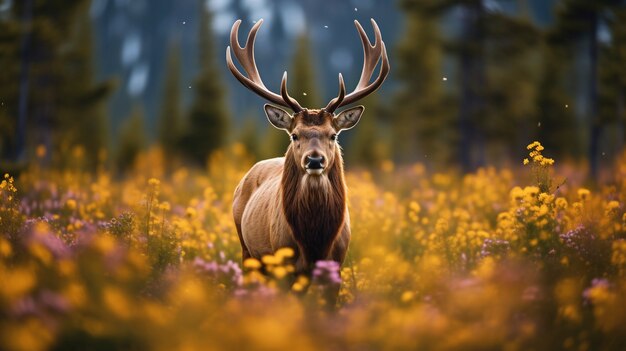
(314, 164)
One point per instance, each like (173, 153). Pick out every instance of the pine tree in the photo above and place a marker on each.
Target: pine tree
(170, 118)
(131, 141)
(423, 127)
(49, 93)
(513, 75)
(578, 22)
(612, 82)
(82, 114)
(493, 54)
(618, 54)
(302, 76)
(207, 127)
(558, 127)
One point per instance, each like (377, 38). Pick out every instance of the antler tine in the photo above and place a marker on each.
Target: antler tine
(288, 99)
(371, 53)
(371, 56)
(245, 56)
(358, 94)
(334, 103)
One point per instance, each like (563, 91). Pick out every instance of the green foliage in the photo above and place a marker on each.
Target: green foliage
(207, 125)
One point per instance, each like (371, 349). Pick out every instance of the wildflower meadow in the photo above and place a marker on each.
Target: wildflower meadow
(519, 258)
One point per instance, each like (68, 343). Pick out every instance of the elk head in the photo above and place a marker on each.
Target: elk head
(313, 132)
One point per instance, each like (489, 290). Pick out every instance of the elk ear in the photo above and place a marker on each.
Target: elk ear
(278, 117)
(349, 118)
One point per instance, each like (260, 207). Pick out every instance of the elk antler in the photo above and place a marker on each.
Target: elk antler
(371, 53)
(245, 56)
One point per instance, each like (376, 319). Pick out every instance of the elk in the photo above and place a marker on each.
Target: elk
(299, 200)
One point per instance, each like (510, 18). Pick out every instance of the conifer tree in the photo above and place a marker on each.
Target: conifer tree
(513, 73)
(303, 74)
(612, 73)
(578, 22)
(49, 93)
(423, 127)
(558, 127)
(207, 125)
(169, 127)
(82, 111)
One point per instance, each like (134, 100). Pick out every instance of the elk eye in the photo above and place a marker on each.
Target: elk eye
(294, 137)
(333, 137)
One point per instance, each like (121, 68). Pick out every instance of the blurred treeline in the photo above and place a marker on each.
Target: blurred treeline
(54, 111)
(513, 82)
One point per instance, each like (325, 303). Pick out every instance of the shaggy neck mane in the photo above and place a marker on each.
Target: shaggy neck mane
(314, 206)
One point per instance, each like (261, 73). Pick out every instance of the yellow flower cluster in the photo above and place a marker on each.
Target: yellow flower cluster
(535, 155)
(437, 261)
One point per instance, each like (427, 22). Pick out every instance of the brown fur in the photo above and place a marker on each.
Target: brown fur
(277, 204)
(315, 211)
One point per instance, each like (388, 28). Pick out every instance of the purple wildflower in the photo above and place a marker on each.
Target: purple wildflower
(326, 273)
(493, 247)
(595, 283)
(228, 272)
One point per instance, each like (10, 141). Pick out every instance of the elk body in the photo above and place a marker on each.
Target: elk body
(299, 200)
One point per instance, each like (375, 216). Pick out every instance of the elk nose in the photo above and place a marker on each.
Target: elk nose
(315, 162)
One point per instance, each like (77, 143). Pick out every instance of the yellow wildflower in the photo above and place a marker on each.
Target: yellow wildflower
(407, 296)
(252, 263)
(271, 260)
(71, 204)
(284, 252)
(583, 194)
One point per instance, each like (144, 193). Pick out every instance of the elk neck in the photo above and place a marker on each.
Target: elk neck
(314, 206)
